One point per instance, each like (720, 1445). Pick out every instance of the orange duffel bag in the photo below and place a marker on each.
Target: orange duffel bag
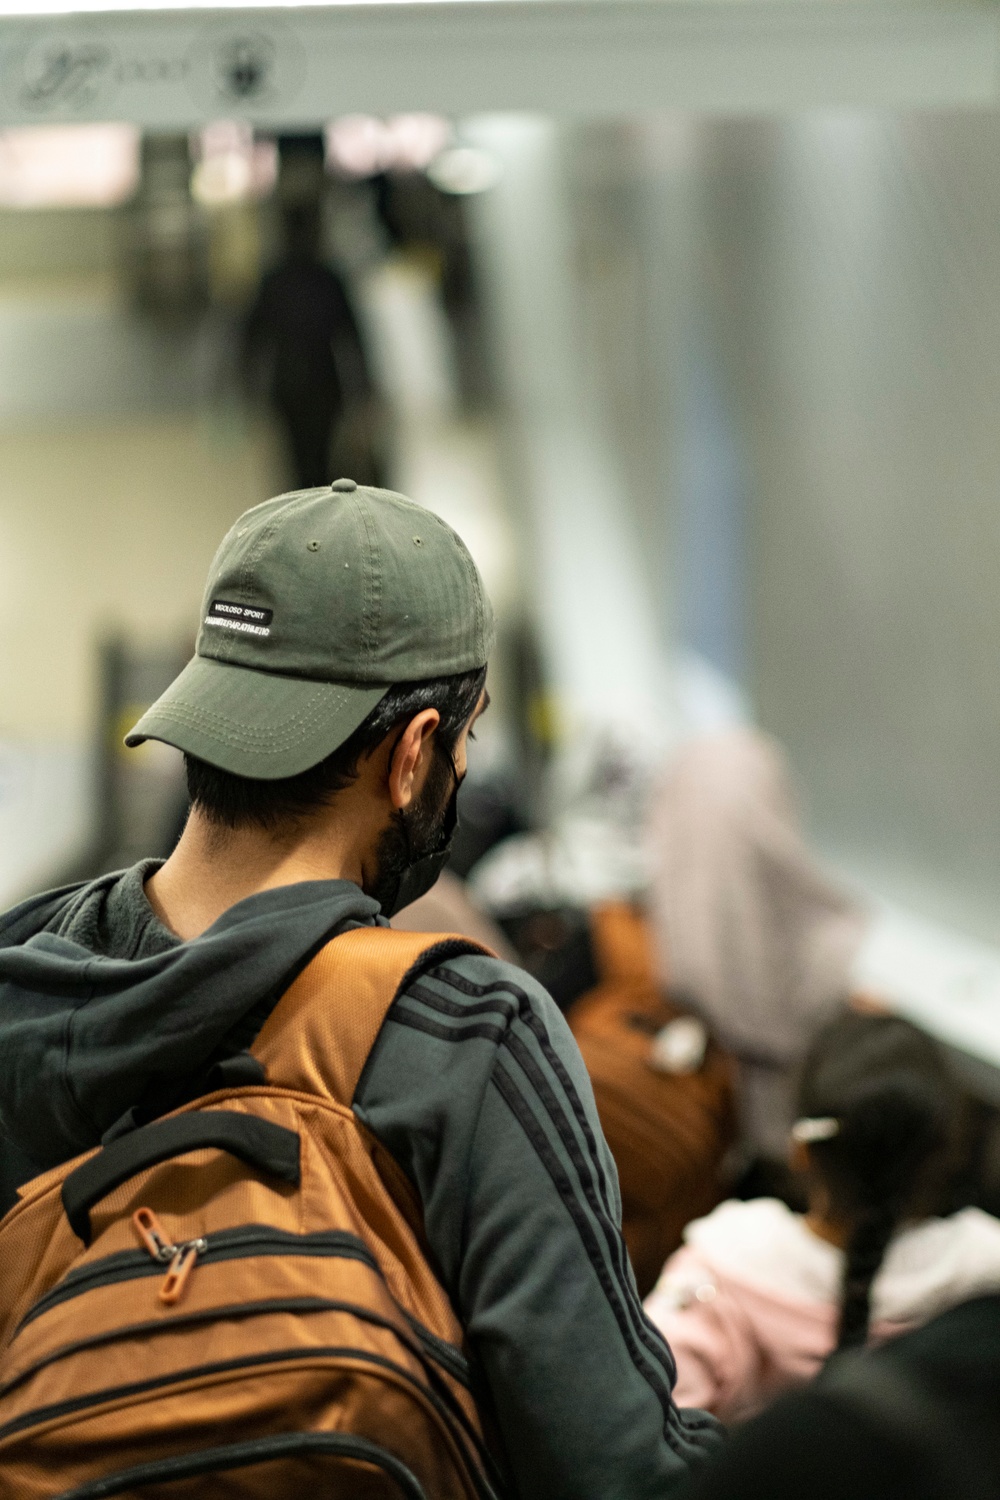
(235, 1300)
(668, 1131)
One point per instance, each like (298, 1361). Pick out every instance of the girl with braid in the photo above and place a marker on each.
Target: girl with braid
(758, 1297)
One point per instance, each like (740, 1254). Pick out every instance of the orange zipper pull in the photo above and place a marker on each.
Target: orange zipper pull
(153, 1235)
(181, 1267)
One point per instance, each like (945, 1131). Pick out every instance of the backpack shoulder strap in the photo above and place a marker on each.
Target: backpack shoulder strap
(318, 1037)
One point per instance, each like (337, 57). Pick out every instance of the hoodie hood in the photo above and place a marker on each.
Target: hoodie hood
(85, 1037)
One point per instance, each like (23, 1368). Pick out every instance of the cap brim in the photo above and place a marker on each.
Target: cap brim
(255, 724)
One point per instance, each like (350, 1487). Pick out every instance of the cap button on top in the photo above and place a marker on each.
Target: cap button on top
(344, 486)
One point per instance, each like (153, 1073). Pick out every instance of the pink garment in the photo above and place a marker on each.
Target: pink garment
(737, 1346)
(746, 922)
(750, 1303)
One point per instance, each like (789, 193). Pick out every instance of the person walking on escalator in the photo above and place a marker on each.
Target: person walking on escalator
(302, 332)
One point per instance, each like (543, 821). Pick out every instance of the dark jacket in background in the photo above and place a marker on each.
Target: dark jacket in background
(303, 330)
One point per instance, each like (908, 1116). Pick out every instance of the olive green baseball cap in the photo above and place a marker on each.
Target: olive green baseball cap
(317, 603)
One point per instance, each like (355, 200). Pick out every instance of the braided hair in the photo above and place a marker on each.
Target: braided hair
(897, 1111)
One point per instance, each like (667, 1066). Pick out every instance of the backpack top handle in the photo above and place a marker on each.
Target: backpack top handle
(269, 1148)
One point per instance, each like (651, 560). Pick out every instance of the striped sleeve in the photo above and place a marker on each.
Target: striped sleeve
(477, 1088)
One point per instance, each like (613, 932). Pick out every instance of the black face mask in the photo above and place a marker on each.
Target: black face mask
(414, 849)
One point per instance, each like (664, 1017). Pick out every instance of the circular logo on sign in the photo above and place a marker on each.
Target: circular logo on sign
(246, 68)
(67, 75)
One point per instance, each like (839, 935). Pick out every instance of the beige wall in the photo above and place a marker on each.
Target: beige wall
(104, 527)
(66, 243)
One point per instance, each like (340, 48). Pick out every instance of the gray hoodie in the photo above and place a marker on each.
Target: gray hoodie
(475, 1086)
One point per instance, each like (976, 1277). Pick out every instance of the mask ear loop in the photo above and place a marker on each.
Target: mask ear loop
(456, 783)
(456, 780)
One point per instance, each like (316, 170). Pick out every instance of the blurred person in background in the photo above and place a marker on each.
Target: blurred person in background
(303, 333)
(663, 1089)
(758, 1297)
(747, 924)
(744, 930)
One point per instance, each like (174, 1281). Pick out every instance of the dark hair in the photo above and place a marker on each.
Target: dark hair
(897, 1107)
(244, 802)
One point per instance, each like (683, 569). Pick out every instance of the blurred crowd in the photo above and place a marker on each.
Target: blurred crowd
(810, 1198)
(802, 1175)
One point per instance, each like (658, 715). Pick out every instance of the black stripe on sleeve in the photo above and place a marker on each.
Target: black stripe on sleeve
(525, 1118)
(589, 1169)
(592, 1176)
(646, 1348)
(537, 1027)
(418, 1022)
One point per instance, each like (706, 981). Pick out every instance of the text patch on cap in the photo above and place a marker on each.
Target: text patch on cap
(246, 618)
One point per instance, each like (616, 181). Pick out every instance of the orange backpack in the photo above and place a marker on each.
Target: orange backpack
(236, 1301)
(668, 1133)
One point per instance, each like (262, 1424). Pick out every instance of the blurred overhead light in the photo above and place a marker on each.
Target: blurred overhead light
(231, 165)
(363, 145)
(68, 166)
(417, 139)
(357, 146)
(464, 169)
(222, 135)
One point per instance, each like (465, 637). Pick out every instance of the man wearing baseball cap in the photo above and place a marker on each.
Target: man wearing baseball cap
(339, 670)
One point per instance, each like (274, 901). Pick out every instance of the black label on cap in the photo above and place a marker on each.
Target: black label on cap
(246, 618)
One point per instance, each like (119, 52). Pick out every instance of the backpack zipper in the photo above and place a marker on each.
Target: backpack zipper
(235, 1244)
(182, 1257)
(225, 1244)
(258, 1239)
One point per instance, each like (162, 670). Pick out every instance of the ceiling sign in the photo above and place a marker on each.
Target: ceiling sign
(176, 67)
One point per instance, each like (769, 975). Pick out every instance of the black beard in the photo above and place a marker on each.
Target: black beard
(413, 834)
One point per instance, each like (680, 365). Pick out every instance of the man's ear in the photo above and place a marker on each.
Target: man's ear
(410, 758)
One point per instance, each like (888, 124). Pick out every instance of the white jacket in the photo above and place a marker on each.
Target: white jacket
(750, 1302)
